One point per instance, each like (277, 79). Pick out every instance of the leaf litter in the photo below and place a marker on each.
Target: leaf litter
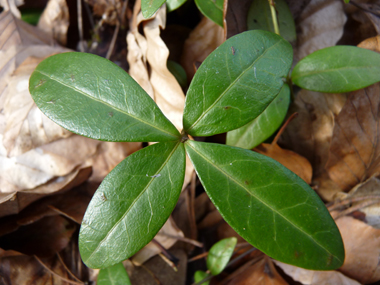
(46, 180)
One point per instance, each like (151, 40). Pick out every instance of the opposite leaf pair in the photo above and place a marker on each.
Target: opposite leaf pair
(264, 202)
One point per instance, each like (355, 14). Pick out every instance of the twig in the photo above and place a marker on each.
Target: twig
(67, 269)
(80, 25)
(336, 205)
(113, 41)
(173, 260)
(55, 274)
(354, 208)
(184, 239)
(279, 133)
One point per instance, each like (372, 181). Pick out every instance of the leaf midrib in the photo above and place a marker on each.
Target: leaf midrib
(230, 86)
(134, 201)
(107, 104)
(265, 204)
(345, 68)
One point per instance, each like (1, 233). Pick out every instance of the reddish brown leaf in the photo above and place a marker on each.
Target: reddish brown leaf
(355, 150)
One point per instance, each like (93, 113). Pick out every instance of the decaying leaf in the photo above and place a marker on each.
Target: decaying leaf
(354, 151)
(321, 25)
(55, 20)
(305, 276)
(236, 17)
(291, 160)
(206, 37)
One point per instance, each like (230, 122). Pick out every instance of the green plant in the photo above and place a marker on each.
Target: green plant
(268, 205)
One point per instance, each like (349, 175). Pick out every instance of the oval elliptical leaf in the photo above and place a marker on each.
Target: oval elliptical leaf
(268, 205)
(93, 97)
(261, 128)
(236, 83)
(115, 274)
(132, 204)
(212, 9)
(149, 7)
(337, 69)
(220, 254)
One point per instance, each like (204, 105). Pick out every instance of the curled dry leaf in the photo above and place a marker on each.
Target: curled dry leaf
(305, 276)
(55, 20)
(354, 150)
(291, 160)
(321, 25)
(371, 44)
(362, 246)
(236, 17)
(206, 37)
(310, 133)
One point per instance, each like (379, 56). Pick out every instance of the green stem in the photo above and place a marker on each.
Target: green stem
(272, 6)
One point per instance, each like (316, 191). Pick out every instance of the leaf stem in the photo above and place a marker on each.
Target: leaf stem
(272, 6)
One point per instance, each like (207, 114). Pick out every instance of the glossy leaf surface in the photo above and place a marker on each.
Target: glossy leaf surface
(337, 69)
(212, 9)
(149, 7)
(115, 275)
(261, 128)
(91, 96)
(178, 72)
(260, 18)
(220, 254)
(174, 4)
(268, 205)
(236, 83)
(132, 204)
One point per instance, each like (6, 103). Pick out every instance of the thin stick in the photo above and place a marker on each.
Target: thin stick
(272, 6)
(80, 25)
(354, 208)
(292, 116)
(113, 41)
(67, 269)
(190, 206)
(335, 205)
(184, 239)
(55, 274)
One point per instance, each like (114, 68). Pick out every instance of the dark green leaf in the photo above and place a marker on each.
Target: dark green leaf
(268, 205)
(174, 4)
(199, 276)
(178, 72)
(236, 83)
(260, 18)
(212, 9)
(220, 254)
(261, 128)
(149, 7)
(337, 69)
(115, 275)
(93, 97)
(132, 204)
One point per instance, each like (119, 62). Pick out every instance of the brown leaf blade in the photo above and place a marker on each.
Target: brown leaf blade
(354, 154)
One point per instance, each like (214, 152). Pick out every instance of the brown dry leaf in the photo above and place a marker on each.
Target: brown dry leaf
(108, 10)
(311, 277)
(166, 237)
(362, 246)
(320, 25)
(236, 17)
(206, 37)
(310, 133)
(291, 160)
(55, 20)
(354, 150)
(262, 272)
(371, 44)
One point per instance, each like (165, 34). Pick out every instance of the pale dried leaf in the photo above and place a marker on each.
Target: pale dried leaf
(12, 6)
(321, 25)
(354, 151)
(362, 246)
(164, 237)
(55, 20)
(305, 276)
(371, 44)
(206, 37)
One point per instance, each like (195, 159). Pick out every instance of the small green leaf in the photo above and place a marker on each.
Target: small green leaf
(115, 275)
(261, 128)
(178, 72)
(212, 9)
(337, 69)
(236, 83)
(132, 204)
(93, 97)
(220, 254)
(149, 7)
(268, 205)
(260, 18)
(174, 4)
(199, 276)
